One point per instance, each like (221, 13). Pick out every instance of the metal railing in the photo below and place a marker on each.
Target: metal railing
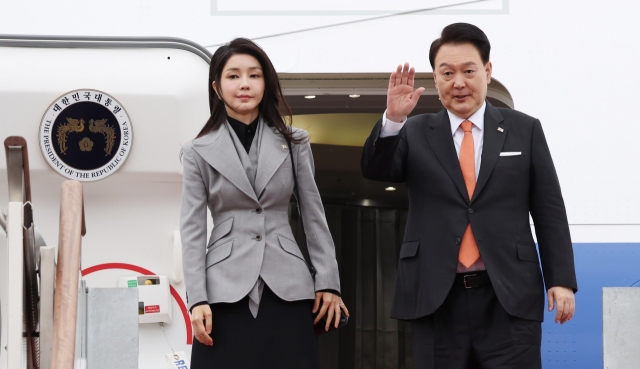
(49, 318)
(22, 259)
(72, 228)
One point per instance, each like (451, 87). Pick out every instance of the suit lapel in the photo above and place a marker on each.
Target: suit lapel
(492, 145)
(273, 151)
(218, 150)
(441, 141)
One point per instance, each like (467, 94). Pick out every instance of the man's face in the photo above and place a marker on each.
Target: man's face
(461, 78)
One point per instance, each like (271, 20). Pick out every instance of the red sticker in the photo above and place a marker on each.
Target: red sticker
(150, 309)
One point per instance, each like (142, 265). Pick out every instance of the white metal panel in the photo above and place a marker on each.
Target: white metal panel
(47, 285)
(15, 283)
(4, 274)
(163, 90)
(559, 66)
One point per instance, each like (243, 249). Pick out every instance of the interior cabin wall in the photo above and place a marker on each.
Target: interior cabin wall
(367, 241)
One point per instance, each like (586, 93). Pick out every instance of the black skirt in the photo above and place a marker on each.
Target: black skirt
(281, 336)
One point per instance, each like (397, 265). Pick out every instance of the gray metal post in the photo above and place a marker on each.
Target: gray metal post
(112, 328)
(621, 327)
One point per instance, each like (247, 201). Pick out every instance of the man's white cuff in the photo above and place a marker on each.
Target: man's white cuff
(389, 127)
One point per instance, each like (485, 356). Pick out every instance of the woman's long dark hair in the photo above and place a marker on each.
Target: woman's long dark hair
(273, 107)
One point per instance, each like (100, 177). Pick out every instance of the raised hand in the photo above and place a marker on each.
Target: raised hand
(401, 98)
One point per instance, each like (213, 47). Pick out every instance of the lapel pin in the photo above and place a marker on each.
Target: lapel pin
(500, 129)
(284, 147)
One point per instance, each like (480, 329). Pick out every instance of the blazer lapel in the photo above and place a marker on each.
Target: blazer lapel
(492, 145)
(441, 141)
(218, 150)
(273, 151)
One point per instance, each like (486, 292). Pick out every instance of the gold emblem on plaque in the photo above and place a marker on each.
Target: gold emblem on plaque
(72, 125)
(95, 126)
(85, 144)
(85, 135)
(101, 126)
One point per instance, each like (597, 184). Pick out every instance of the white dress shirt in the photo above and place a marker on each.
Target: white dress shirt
(391, 128)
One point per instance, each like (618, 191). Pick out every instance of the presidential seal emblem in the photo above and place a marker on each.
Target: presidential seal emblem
(85, 135)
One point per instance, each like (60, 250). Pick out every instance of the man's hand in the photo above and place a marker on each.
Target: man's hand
(201, 321)
(331, 305)
(565, 302)
(401, 99)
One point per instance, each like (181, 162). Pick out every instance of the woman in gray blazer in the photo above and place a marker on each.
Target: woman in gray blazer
(249, 288)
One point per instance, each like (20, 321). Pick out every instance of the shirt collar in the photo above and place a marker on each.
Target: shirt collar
(239, 126)
(477, 119)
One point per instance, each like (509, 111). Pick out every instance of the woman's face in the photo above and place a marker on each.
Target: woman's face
(242, 85)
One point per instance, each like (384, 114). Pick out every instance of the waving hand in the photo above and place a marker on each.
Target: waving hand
(401, 98)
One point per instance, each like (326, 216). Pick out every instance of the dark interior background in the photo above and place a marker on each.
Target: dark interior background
(367, 241)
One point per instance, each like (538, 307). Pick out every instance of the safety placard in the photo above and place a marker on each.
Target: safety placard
(150, 309)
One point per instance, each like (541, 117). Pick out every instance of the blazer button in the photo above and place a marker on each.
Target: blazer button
(458, 241)
(258, 211)
(258, 238)
(470, 211)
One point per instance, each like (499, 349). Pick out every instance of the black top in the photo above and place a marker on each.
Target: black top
(245, 132)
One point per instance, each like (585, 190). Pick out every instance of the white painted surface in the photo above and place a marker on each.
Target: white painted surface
(602, 233)
(4, 290)
(567, 65)
(131, 216)
(175, 262)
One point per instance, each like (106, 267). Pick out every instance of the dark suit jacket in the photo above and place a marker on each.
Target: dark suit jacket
(508, 188)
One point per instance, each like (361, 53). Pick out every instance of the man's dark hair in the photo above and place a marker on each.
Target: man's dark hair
(461, 33)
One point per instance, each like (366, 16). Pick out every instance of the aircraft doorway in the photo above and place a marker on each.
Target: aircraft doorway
(366, 218)
(339, 111)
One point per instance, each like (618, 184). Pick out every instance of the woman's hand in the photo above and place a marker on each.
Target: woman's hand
(201, 321)
(331, 305)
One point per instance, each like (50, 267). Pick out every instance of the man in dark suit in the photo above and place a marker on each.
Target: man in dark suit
(469, 275)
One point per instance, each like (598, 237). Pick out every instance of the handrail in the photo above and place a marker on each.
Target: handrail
(19, 142)
(24, 242)
(67, 275)
(75, 42)
(15, 147)
(20, 193)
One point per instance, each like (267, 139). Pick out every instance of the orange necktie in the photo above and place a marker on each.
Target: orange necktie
(469, 252)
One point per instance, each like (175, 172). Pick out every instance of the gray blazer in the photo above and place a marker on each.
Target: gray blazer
(251, 235)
